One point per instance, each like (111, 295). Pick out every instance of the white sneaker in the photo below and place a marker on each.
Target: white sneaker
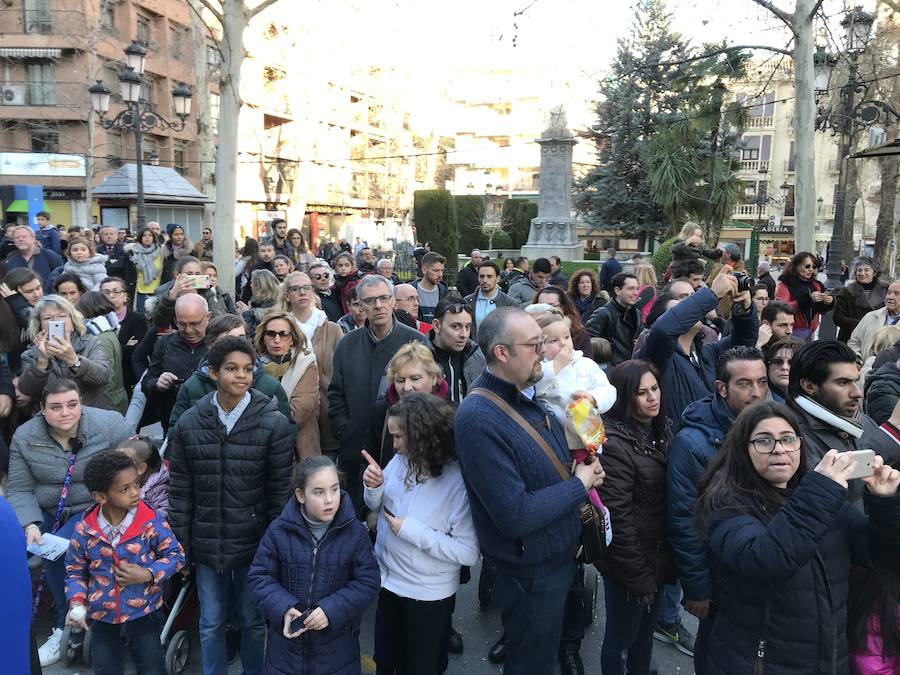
(49, 651)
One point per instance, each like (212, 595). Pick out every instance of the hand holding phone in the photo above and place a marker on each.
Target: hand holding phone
(56, 329)
(297, 623)
(865, 463)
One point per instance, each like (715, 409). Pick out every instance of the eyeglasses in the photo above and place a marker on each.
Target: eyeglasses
(370, 302)
(808, 267)
(112, 291)
(765, 445)
(305, 288)
(272, 334)
(193, 325)
(319, 277)
(55, 317)
(207, 231)
(778, 363)
(536, 346)
(411, 298)
(454, 308)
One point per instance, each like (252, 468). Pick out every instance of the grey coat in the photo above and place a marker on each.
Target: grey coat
(92, 375)
(522, 292)
(38, 465)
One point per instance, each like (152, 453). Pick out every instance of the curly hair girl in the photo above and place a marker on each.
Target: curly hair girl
(422, 428)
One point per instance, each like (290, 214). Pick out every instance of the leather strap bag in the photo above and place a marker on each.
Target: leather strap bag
(593, 539)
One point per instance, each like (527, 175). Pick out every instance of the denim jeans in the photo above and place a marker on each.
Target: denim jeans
(670, 613)
(56, 569)
(532, 613)
(212, 589)
(143, 644)
(629, 628)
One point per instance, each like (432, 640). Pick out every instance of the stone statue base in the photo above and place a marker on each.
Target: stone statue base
(553, 236)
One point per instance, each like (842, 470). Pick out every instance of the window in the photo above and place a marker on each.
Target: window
(149, 151)
(789, 201)
(44, 140)
(143, 30)
(750, 150)
(792, 160)
(176, 35)
(37, 16)
(147, 90)
(178, 159)
(214, 112)
(108, 15)
(41, 84)
(213, 55)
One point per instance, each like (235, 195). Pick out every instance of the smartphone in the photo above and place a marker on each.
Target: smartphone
(56, 329)
(865, 463)
(297, 623)
(199, 281)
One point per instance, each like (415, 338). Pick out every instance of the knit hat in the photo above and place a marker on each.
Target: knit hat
(733, 251)
(171, 227)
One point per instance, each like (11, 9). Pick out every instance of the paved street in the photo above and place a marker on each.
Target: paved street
(480, 630)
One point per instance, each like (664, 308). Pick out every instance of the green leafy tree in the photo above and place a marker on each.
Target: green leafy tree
(435, 218)
(470, 219)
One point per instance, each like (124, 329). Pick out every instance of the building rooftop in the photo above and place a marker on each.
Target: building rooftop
(160, 184)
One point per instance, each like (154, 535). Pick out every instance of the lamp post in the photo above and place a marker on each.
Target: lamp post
(844, 118)
(138, 116)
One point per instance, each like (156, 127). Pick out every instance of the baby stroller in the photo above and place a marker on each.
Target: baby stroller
(175, 636)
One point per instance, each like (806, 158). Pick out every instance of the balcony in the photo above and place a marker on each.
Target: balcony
(44, 100)
(754, 165)
(42, 28)
(760, 122)
(745, 211)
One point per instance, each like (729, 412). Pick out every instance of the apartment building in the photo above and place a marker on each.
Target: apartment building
(51, 51)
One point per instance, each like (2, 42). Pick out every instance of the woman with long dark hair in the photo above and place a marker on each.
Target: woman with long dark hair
(584, 291)
(425, 535)
(558, 298)
(146, 254)
(639, 560)
(174, 250)
(782, 540)
(798, 287)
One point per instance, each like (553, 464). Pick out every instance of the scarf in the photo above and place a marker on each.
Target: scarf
(276, 369)
(145, 260)
(316, 318)
(823, 414)
(800, 291)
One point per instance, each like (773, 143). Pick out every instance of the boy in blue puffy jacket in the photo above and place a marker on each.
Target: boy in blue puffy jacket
(118, 557)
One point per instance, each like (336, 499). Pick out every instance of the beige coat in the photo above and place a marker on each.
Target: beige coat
(324, 341)
(301, 384)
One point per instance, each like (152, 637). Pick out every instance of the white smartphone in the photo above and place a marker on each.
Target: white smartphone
(865, 463)
(56, 329)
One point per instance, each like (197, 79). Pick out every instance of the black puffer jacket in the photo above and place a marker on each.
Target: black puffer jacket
(882, 392)
(225, 488)
(619, 325)
(634, 491)
(782, 582)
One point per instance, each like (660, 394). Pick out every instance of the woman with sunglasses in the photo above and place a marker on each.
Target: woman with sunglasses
(283, 353)
(200, 383)
(798, 287)
(781, 541)
(298, 298)
(778, 357)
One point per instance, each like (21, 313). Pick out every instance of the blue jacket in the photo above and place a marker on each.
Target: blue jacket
(526, 517)
(782, 579)
(682, 381)
(49, 239)
(704, 427)
(44, 262)
(340, 576)
(608, 270)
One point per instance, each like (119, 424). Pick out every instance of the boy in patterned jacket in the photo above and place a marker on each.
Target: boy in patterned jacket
(118, 557)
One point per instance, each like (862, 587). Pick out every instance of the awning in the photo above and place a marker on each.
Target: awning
(18, 206)
(30, 53)
(883, 150)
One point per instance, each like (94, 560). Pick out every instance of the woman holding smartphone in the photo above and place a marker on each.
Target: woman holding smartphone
(425, 534)
(782, 540)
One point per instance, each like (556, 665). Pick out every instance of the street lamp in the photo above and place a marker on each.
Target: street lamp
(762, 199)
(138, 115)
(845, 117)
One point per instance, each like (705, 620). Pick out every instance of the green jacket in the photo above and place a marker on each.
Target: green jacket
(109, 342)
(200, 384)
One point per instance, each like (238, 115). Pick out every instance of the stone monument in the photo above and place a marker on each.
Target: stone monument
(554, 231)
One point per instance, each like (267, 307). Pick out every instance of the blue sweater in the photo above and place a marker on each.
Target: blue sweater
(525, 516)
(43, 262)
(682, 381)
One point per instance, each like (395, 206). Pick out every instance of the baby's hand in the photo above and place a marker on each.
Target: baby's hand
(580, 394)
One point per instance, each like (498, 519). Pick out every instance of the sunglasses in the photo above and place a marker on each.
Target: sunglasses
(272, 334)
(319, 277)
(454, 308)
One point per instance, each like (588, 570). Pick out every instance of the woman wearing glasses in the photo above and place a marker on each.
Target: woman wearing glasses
(283, 353)
(298, 298)
(798, 287)
(781, 542)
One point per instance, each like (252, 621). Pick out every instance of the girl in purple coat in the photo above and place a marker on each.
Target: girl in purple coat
(313, 576)
(152, 472)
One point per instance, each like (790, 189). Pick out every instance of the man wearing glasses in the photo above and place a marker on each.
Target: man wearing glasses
(132, 325)
(741, 380)
(360, 360)
(321, 276)
(203, 251)
(406, 299)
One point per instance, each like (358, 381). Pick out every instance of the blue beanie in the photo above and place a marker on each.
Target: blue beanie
(171, 227)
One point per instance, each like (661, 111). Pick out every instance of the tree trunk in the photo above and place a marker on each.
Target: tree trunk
(804, 126)
(227, 155)
(205, 142)
(884, 226)
(851, 245)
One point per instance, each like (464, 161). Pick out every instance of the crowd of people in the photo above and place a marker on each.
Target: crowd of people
(334, 438)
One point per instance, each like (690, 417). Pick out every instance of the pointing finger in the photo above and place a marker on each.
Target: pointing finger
(370, 459)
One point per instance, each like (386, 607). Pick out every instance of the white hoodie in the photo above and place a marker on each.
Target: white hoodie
(437, 536)
(316, 319)
(582, 374)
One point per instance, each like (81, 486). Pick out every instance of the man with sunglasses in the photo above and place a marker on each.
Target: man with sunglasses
(456, 353)
(203, 251)
(741, 380)
(321, 276)
(360, 360)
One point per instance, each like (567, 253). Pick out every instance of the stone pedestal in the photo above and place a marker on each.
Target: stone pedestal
(554, 231)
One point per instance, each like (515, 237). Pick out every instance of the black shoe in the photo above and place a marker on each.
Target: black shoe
(497, 653)
(570, 663)
(455, 645)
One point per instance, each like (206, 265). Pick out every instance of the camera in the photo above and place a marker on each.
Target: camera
(745, 282)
